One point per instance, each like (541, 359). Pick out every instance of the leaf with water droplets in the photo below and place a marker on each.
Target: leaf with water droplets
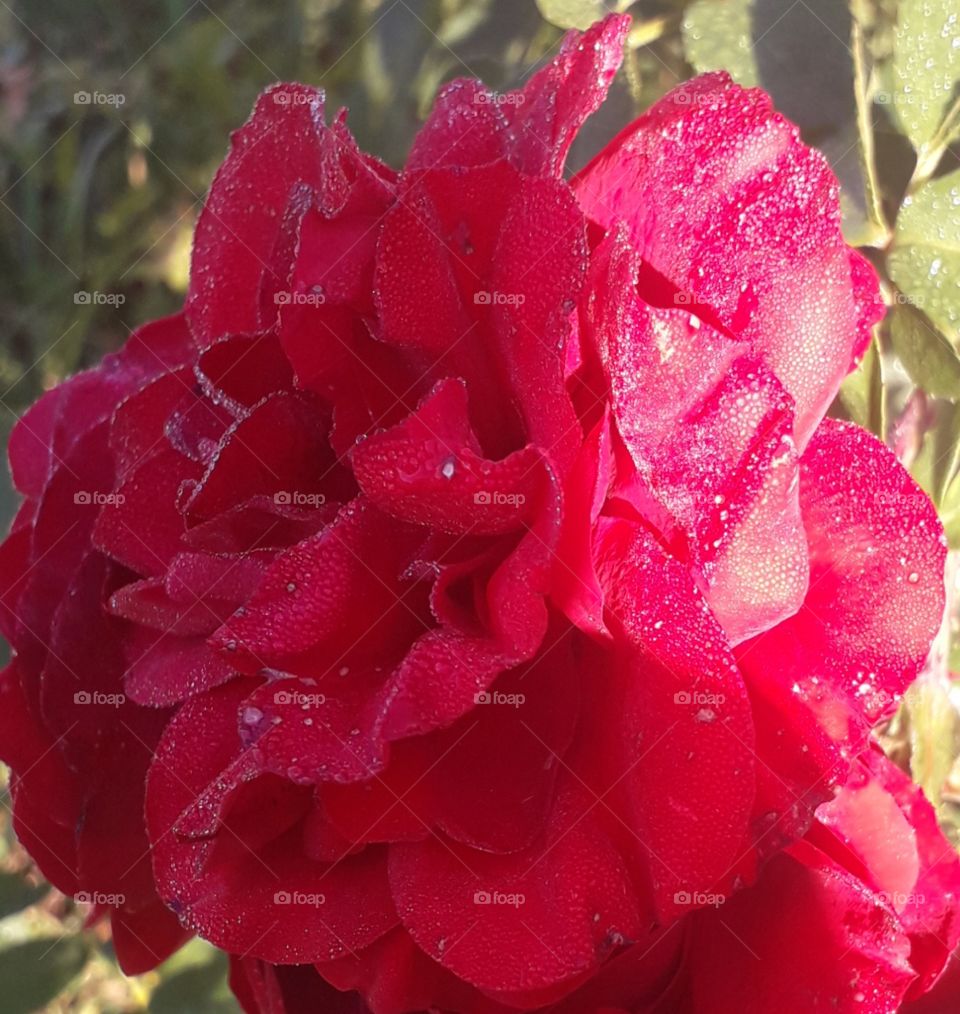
(716, 36)
(926, 66)
(950, 512)
(937, 464)
(926, 355)
(862, 393)
(801, 56)
(574, 13)
(925, 259)
(933, 735)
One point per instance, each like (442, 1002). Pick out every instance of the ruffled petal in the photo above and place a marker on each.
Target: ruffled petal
(821, 679)
(533, 126)
(226, 848)
(807, 938)
(756, 237)
(680, 769)
(530, 923)
(709, 429)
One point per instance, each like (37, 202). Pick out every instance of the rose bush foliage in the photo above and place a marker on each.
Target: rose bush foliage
(464, 604)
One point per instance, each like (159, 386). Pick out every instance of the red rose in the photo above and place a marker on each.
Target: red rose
(468, 589)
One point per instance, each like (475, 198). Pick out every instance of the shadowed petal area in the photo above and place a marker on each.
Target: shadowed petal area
(216, 823)
(678, 761)
(525, 923)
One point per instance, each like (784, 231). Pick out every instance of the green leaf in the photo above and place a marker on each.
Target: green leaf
(946, 443)
(802, 57)
(925, 258)
(874, 230)
(935, 467)
(926, 355)
(572, 13)
(17, 893)
(716, 36)
(933, 725)
(926, 66)
(33, 973)
(196, 988)
(950, 516)
(862, 393)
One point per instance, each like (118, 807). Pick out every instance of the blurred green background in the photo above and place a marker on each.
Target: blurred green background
(114, 116)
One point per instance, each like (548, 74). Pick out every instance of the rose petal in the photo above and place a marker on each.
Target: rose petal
(464, 907)
(231, 867)
(533, 126)
(821, 679)
(758, 239)
(683, 759)
(806, 938)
